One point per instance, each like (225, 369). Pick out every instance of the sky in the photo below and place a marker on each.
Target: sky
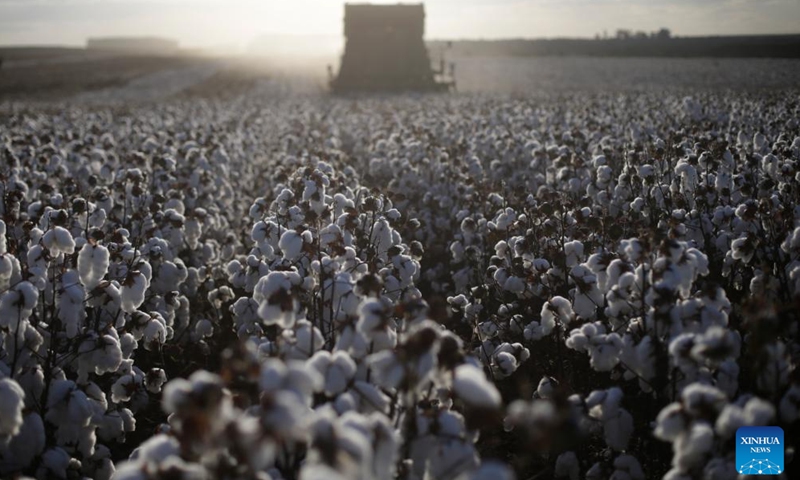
(236, 23)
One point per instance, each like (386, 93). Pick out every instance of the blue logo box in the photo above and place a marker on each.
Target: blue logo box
(759, 450)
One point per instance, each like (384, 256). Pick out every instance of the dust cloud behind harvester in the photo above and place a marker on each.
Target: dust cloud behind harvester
(134, 45)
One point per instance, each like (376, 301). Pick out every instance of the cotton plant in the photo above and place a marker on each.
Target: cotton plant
(703, 419)
(90, 281)
(365, 289)
(13, 397)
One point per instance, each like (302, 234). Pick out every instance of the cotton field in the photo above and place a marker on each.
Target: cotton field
(471, 286)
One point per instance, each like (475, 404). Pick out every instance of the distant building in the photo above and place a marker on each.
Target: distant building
(385, 50)
(138, 45)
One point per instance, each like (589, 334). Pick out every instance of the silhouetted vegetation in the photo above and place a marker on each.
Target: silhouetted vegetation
(628, 44)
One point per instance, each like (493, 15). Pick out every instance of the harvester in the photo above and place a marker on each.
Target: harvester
(385, 51)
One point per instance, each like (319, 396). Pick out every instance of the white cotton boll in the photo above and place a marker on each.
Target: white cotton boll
(716, 345)
(459, 301)
(276, 304)
(382, 237)
(758, 412)
(587, 298)
(699, 398)
(731, 418)
(557, 309)
(692, 447)
(605, 351)
(54, 464)
(156, 449)
(633, 249)
(639, 360)
(514, 284)
(771, 166)
(340, 203)
(87, 439)
(58, 240)
(35, 236)
(193, 229)
(68, 406)
(534, 331)
(376, 325)
(637, 204)
(504, 364)
(100, 356)
(155, 334)
(93, 261)
(146, 269)
(155, 379)
(132, 291)
(406, 268)
(293, 377)
(488, 329)
(505, 219)
(617, 422)
(385, 447)
(471, 386)
(12, 401)
(743, 249)
(97, 218)
(670, 422)
(370, 398)
(599, 160)
(114, 424)
(345, 402)
(70, 303)
(604, 174)
(291, 244)
(337, 370)
(303, 342)
(574, 252)
(330, 235)
(168, 275)
(449, 423)
(123, 388)
(547, 386)
(28, 444)
(792, 242)
(577, 340)
(389, 372)
(17, 304)
(496, 199)
(567, 466)
(127, 344)
(10, 271)
(203, 328)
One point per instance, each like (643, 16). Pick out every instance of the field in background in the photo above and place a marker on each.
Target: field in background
(521, 75)
(100, 77)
